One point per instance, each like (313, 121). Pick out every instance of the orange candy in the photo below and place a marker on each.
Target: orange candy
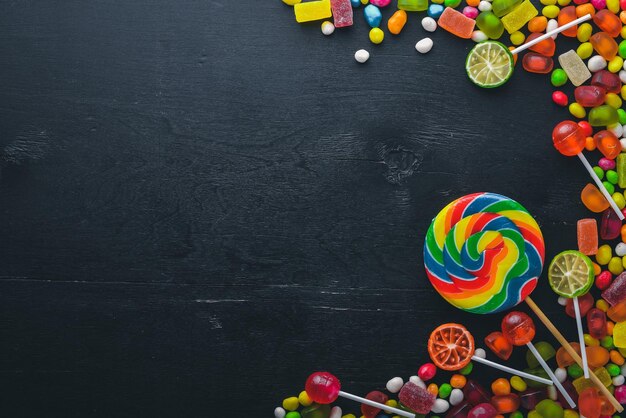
(538, 23)
(622, 17)
(511, 48)
(597, 356)
(501, 386)
(623, 233)
(616, 357)
(563, 359)
(396, 22)
(617, 313)
(566, 15)
(458, 381)
(608, 144)
(606, 409)
(593, 199)
(608, 22)
(505, 404)
(609, 326)
(456, 23)
(473, 3)
(585, 9)
(597, 270)
(433, 388)
(590, 144)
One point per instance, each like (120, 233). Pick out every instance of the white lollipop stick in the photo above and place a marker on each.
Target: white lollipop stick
(376, 404)
(549, 34)
(603, 189)
(512, 371)
(548, 370)
(581, 337)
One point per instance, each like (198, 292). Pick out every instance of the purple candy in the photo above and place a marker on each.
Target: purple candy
(620, 394)
(599, 4)
(616, 292)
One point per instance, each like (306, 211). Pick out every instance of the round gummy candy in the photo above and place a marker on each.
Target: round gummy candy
(322, 387)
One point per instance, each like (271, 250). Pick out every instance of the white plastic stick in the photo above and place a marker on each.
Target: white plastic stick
(581, 337)
(603, 189)
(510, 370)
(549, 34)
(548, 370)
(376, 404)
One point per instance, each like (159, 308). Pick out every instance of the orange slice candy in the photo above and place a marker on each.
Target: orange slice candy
(451, 346)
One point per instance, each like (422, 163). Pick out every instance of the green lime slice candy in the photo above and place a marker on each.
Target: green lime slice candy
(489, 64)
(570, 274)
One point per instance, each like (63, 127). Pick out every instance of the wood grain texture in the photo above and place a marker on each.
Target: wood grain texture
(202, 202)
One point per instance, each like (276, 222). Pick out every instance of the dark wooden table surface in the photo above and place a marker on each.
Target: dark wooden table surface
(202, 202)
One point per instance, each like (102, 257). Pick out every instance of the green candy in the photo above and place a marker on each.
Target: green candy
(516, 414)
(609, 187)
(621, 170)
(607, 342)
(611, 176)
(467, 369)
(621, 114)
(574, 371)
(502, 7)
(444, 390)
(490, 24)
(622, 49)
(539, 371)
(545, 350)
(599, 172)
(316, 411)
(604, 115)
(558, 77)
(452, 3)
(549, 409)
(534, 414)
(293, 414)
(613, 369)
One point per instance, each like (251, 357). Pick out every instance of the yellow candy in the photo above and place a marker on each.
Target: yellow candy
(623, 32)
(602, 305)
(392, 403)
(364, 1)
(604, 254)
(615, 266)
(312, 10)
(584, 32)
(623, 92)
(304, 399)
(291, 404)
(613, 100)
(517, 38)
(570, 413)
(619, 336)
(577, 110)
(624, 261)
(349, 416)
(613, 5)
(563, 3)
(590, 341)
(615, 65)
(619, 200)
(518, 17)
(376, 35)
(584, 50)
(547, 2)
(518, 383)
(551, 12)
(291, 2)
(534, 414)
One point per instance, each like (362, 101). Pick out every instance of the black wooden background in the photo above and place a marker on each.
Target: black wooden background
(202, 202)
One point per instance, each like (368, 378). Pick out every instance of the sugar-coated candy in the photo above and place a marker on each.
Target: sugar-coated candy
(518, 328)
(483, 410)
(373, 15)
(620, 250)
(619, 335)
(608, 22)
(589, 403)
(456, 396)
(596, 63)
(312, 10)
(610, 227)
(342, 13)
(604, 45)
(413, 5)
(291, 2)
(396, 22)
(620, 394)
(304, 399)
(474, 393)
(590, 96)
(376, 36)
(424, 45)
(503, 7)
(380, 3)
(561, 374)
(621, 170)
(429, 24)
(573, 65)
(440, 406)
(416, 398)
(291, 403)
(394, 385)
(531, 397)
(518, 383)
(609, 81)
(560, 98)
(490, 24)
(596, 323)
(427, 371)
(471, 12)
(361, 56)
(335, 412)
(587, 234)
(370, 411)
(568, 138)
(500, 346)
(479, 36)
(328, 28)
(603, 116)
(435, 10)
(519, 16)
(457, 23)
(566, 15)
(585, 303)
(317, 411)
(616, 292)
(484, 6)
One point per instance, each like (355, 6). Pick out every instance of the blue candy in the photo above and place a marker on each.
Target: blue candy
(355, 3)
(373, 16)
(435, 10)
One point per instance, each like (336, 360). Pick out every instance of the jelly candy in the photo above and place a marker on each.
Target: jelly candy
(474, 393)
(604, 115)
(459, 411)
(531, 397)
(571, 390)
(604, 45)
(503, 7)
(490, 24)
(587, 234)
(607, 143)
(538, 371)
(566, 15)
(574, 67)
(606, 408)
(589, 403)
(619, 335)
(371, 411)
(616, 292)
(608, 22)
(505, 404)
(621, 171)
(549, 409)
(519, 16)
(563, 358)
(608, 80)
(617, 312)
(457, 23)
(545, 47)
(585, 303)
(568, 138)
(342, 13)
(499, 345)
(590, 96)
(483, 410)
(316, 411)
(596, 323)
(518, 328)
(396, 22)
(546, 351)
(593, 199)
(597, 356)
(312, 10)
(537, 63)
(416, 398)
(413, 5)
(610, 225)
(580, 384)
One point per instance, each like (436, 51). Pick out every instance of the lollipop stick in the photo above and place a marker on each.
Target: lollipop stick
(568, 347)
(605, 192)
(376, 404)
(549, 34)
(548, 370)
(581, 337)
(512, 371)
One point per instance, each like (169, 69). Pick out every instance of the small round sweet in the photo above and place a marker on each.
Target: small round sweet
(584, 32)
(423, 46)
(558, 77)
(501, 386)
(479, 36)
(584, 50)
(429, 24)
(433, 389)
(480, 352)
(279, 412)
(328, 28)
(451, 347)
(335, 412)
(444, 390)
(376, 36)
(484, 6)
(440, 406)
(604, 254)
(517, 38)
(559, 98)
(322, 387)
(615, 64)
(596, 63)
(291, 2)
(551, 11)
(394, 385)
(304, 399)
(561, 374)
(458, 381)
(576, 110)
(518, 328)
(291, 404)
(427, 371)
(293, 414)
(456, 396)
(518, 383)
(618, 380)
(361, 56)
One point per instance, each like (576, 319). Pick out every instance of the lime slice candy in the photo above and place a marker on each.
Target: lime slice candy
(571, 274)
(489, 64)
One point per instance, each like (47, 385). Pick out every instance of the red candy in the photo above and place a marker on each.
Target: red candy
(483, 410)
(537, 63)
(603, 280)
(322, 387)
(560, 98)
(417, 398)
(585, 302)
(371, 411)
(568, 138)
(499, 345)
(590, 96)
(596, 322)
(518, 328)
(585, 126)
(609, 81)
(427, 371)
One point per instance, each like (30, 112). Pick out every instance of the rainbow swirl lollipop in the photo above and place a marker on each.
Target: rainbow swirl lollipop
(484, 253)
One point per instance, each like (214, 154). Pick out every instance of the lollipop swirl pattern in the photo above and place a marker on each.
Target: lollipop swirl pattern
(484, 253)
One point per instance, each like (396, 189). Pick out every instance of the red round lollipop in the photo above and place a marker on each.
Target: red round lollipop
(322, 387)
(568, 138)
(518, 328)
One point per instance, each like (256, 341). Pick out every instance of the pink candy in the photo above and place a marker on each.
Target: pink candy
(380, 3)
(620, 394)
(470, 12)
(606, 164)
(342, 13)
(599, 4)
(427, 371)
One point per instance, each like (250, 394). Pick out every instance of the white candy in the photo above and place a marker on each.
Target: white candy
(394, 385)
(562, 301)
(480, 352)
(440, 406)
(479, 36)
(552, 24)
(328, 28)
(617, 129)
(622, 75)
(456, 396)
(623, 370)
(424, 45)
(552, 394)
(361, 56)
(429, 24)
(279, 412)
(618, 380)
(561, 374)
(623, 142)
(596, 63)
(419, 382)
(620, 249)
(484, 6)
(335, 412)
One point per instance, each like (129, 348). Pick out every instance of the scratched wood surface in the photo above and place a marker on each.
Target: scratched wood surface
(202, 202)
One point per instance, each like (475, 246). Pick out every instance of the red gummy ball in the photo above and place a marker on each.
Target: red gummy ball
(427, 371)
(586, 127)
(560, 98)
(482, 410)
(603, 280)
(322, 387)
